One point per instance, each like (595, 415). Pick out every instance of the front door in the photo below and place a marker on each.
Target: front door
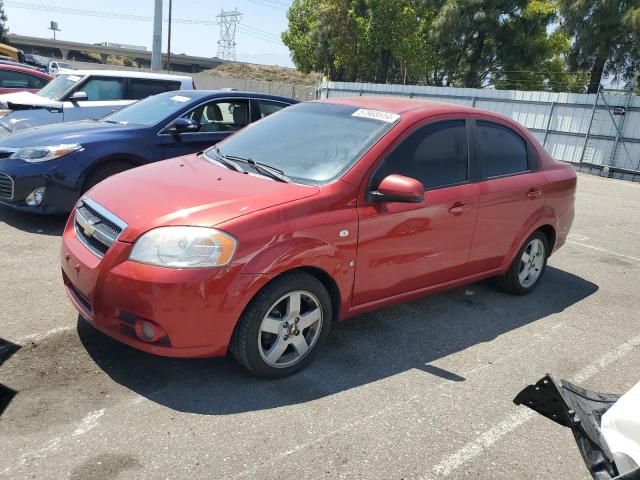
(404, 247)
(218, 119)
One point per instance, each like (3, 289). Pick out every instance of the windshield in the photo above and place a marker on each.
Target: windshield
(311, 143)
(60, 85)
(151, 110)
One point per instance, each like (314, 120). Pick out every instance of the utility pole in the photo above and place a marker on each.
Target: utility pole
(227, 43)
(169, 39)
(156, 51)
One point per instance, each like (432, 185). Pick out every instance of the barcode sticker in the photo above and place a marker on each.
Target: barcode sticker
(376, 115)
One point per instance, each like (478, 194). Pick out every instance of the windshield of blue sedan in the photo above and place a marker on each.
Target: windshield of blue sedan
(311, 143)
(60, 85)
(149, 111)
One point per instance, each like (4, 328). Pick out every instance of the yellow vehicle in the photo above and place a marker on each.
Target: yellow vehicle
(12, 52)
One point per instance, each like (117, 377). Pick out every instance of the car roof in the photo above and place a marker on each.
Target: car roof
(132, 74)
(228, 93)
(400, 105)
(26, 69)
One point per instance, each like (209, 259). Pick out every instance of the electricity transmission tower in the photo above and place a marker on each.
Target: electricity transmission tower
(227, 43)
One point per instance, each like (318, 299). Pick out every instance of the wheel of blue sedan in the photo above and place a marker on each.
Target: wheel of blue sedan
(284, 326)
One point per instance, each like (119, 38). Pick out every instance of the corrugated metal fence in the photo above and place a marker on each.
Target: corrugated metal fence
(598, 133)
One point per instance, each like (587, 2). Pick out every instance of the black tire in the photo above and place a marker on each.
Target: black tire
(104, 171)
(246, 343)
(510, 281)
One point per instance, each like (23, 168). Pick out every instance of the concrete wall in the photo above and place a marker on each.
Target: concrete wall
(210, 82)
(577, 128)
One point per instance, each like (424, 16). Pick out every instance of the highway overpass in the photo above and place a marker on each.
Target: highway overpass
(77, 51)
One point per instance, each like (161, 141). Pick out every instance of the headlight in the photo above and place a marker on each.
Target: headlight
(42, 154)
(184, 247)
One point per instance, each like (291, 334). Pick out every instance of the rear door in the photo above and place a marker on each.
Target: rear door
(404, 247)
(511, 190)
(218, 119)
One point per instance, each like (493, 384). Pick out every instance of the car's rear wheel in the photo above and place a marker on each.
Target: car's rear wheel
(105, 171)
(284, 326)
(528, 267)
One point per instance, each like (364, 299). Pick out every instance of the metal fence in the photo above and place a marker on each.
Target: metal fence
(598, 133)
(211, 82)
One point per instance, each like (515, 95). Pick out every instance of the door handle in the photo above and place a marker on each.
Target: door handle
(534, 192)
(458, 208)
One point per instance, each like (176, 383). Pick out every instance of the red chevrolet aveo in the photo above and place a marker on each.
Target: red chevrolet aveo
(310, 216)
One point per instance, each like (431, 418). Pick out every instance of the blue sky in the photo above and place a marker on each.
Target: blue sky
(264, 15)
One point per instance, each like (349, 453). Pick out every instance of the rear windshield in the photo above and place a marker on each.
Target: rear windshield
(312, 143)
(60, 85)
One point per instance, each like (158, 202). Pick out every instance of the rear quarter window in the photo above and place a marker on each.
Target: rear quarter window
(143, 88)
(502, 151)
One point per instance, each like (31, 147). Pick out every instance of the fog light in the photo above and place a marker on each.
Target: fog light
(35, 197)
(148, 331)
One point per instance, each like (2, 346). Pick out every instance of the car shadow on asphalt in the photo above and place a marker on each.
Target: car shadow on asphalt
(33, 222)
(361, 350)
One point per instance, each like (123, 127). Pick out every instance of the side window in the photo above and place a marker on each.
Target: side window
(503, 152)
(103, 89)
(142, 88)
(11, 79)
(436, 154)
(221, 115)
(267, 107)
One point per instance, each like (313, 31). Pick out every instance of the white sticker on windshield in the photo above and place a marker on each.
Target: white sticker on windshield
(376, 115)
(180, 98)
(73, 78)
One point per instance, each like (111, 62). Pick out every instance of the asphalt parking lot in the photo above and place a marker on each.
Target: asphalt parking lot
(417, 391)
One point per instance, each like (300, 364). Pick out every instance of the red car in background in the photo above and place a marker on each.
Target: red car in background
(14, 78)
(317, 213)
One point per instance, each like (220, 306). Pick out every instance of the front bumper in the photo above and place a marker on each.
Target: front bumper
(61, 192)
(198, 309)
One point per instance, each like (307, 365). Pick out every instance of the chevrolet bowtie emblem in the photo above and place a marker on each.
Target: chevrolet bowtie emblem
(87, 225)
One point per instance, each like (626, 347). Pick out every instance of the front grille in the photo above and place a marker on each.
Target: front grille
(96, 227)
(6, 186)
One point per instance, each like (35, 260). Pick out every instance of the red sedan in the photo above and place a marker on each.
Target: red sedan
(315, 214)
(14, 78)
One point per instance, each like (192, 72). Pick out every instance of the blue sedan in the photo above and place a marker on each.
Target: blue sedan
(46, 169)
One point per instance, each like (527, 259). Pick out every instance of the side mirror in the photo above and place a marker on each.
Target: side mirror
(182, 125)
(398, 188)
(79, 97)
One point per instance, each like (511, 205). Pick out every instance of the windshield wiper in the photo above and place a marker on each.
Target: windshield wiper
(263, 168)
(225, 161)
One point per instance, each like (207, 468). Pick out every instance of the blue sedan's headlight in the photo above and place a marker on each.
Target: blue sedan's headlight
(45, 153)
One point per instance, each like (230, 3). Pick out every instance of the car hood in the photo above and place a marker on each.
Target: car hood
(12, 100)
(188, 191)
(58, 133)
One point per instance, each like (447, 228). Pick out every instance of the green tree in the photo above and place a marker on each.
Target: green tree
(606, 37)
(483, 41)
(4, 30)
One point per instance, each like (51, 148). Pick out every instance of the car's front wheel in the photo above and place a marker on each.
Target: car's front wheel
(527, 268)
(284, 326)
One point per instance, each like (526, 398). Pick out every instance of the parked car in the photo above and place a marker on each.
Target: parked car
(85, 94)
(56, 67)
(15, 78)
(315, 214)
(41, 63)
(49, 167)
(606, 426)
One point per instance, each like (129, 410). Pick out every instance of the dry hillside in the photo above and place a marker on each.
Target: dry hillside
(265, 73)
